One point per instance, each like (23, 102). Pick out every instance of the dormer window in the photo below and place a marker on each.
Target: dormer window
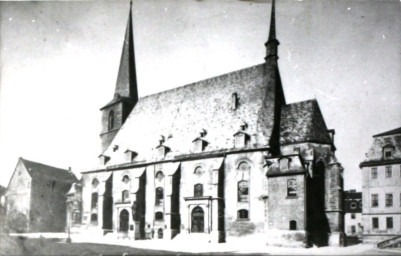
(297, 150)
(103, 159)
(285, 164)
(161, 149)
(241, 138)
(388, 151)
(199, 145)
(115, 148)
(130, 155)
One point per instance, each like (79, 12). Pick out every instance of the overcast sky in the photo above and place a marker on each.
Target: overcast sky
(59, 63)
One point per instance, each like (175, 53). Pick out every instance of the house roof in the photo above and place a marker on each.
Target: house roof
(180, 113)
(391, 132)
(48, 172)
(301, 122)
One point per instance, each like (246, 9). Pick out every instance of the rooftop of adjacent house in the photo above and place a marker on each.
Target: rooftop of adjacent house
(391, 132)
(301, 122)
(48, 172)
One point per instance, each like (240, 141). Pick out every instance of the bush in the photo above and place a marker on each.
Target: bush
(17, 222)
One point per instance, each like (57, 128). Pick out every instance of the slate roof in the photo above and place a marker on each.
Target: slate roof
(179, 114)
(44, 171)
(303, 121)
(391, 132)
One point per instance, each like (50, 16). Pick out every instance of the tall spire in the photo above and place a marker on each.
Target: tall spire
(126, 85)
(272, 42)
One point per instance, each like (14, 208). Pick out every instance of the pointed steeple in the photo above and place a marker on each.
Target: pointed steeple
(272, 42)
(126, 85)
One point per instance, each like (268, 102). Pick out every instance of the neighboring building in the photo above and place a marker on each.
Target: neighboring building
(35, 197)
(74, 205)
(223, 157)
(381, 187)
(353, 213)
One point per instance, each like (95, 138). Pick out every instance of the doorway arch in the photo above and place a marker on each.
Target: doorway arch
(197, 220)
(124, 221)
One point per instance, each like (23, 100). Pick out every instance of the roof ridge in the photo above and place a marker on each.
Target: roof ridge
(390, 132)
(221, 76)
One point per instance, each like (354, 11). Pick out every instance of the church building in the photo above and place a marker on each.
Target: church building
(222, 157)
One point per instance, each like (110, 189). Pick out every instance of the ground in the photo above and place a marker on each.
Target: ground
(55, 244)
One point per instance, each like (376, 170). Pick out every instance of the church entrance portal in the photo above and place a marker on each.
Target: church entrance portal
(124, 220)
(198, 220)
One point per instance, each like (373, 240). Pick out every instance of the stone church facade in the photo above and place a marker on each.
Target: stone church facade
(224, 157)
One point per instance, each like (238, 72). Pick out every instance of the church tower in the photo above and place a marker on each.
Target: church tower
(275, 96)
(125, 97)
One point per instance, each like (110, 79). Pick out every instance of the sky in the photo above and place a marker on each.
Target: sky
(59, 63)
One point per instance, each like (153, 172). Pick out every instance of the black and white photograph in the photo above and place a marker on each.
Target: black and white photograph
(200, 127)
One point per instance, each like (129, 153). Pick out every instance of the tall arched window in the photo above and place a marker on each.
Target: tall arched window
(244, 168)
(94, 200)
(198, 190)
(243, 191)
(159, 196)
(125, 196)
(111, 120)
(291, 187)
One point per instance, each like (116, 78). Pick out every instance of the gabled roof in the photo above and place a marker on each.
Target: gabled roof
(180, 113)
(48, 172)
(302, 122)
(391, 132)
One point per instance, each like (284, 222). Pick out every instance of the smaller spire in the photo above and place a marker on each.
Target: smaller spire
(272, 42)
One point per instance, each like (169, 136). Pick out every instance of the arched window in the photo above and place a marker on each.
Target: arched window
(243, 191)
(94, 200)
(160, 233)
(198, 190)
(293, 225)
(244, 167)
(291, 187)
(159, 216)
(111, 120)
(95, 183)
(125, 196)
(126, 179)
(159, 196)
(198, 171)
(159, 175)
(242, 214)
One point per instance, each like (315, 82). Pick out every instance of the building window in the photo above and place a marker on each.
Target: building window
(375, 223)
(297, 150)
(388, 172)
(94, 200)
(389, 222)
(373, 174)
(353, 216)
(389, 200)
(95, 183)
(387, 152)
(93, 218)
(159, 216)
(243, 191)
(242, 214)
(111, 120)
(353, 229)
(125, 196)
(198, 190)
(159, 196)
(293, 225)
(126, 179)
(198, 171)
(375, 200)
(159, 176)
(291, 187)
(352, 205)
